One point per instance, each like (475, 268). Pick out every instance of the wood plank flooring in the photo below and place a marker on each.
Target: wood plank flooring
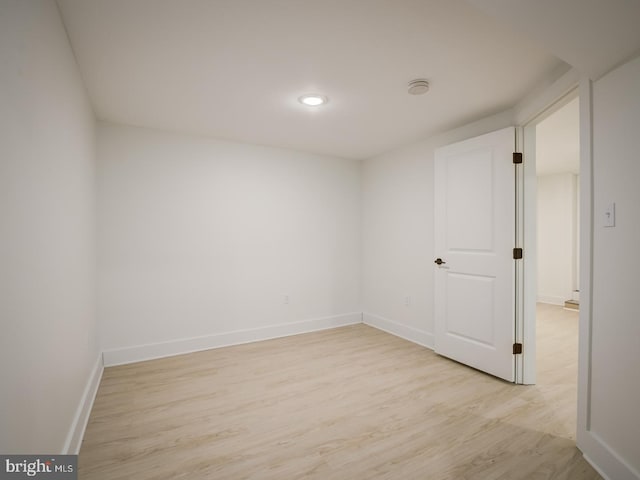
(350, 403)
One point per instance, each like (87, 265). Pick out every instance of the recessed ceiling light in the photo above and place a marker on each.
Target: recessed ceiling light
(418, 87)
(313, 100)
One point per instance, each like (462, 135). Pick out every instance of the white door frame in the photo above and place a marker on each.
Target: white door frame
(527, 117)
(527, 229)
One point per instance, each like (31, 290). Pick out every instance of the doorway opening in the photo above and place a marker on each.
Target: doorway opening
(557, 162)
(551, 234)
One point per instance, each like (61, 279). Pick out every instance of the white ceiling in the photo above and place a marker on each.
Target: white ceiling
(593, 36)
(558, 141)
(233, 69)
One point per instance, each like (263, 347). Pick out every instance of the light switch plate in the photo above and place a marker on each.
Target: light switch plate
(610, 215)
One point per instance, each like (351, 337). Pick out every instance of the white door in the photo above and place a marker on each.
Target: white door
(475, 235)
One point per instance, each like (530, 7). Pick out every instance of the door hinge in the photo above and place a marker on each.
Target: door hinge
(517, 348)
(517, 158)
(517, 253)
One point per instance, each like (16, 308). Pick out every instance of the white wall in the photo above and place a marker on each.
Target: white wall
(48, 342)
(557, 213)
(398, 236)
(613, 424)
(200, 238)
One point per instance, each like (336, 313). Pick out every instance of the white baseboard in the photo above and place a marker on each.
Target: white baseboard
(81, 418)
(604, 459)
(140, 353)
(403, 331)
(551, 300)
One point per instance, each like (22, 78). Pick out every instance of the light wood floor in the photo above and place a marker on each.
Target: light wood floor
(350, 403)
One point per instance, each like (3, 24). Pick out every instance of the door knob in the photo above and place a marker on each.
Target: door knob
(439, 261)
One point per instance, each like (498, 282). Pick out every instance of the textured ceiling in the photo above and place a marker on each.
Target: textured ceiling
(233, 69)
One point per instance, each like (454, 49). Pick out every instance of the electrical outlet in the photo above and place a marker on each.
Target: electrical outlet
(407, 301)
(286, 299)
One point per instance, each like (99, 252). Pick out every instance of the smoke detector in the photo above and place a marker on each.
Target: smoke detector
(418, 87)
